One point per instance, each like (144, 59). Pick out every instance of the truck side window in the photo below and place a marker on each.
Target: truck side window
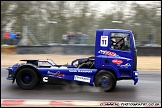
(120, 41)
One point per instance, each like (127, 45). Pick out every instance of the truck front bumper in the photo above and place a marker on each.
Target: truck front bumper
(135, 77)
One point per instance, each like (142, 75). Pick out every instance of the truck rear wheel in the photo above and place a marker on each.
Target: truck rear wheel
(26, 78)
(105, 80)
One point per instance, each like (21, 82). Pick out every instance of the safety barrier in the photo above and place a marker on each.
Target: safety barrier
(79, 50)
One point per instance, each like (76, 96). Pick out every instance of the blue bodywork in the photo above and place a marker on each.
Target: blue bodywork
(124, 70)
(70, 72)
(120, 63)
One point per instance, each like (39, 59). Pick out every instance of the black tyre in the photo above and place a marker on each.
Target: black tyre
(26, 78)
(105, 80)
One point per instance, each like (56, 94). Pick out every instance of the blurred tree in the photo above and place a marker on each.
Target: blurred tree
(106, 21)
(80, 16)
(144, 20)
(116, 14)
(6, 14)
(83, 19)
(61, 17)
(30, 13)
(118, 10)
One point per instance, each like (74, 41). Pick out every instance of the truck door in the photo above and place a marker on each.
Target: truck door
(121, 45)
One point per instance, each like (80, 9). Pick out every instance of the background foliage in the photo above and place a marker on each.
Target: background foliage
(80, 16)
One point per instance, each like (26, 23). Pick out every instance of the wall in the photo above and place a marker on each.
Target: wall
(79, 50)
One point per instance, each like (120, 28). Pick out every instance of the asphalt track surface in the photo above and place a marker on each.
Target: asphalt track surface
(148, 89)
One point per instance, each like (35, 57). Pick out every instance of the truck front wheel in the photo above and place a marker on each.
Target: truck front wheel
(105, 80)
(26, 78)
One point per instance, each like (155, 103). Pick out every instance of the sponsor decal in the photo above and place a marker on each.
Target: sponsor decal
(45, 79)
(55, 74)
(107, 53)
(117, 61)
(112, 54)
(82, 78)
(125, 65)
(83, 71)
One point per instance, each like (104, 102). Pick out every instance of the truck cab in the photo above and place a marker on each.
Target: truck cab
(116, 52)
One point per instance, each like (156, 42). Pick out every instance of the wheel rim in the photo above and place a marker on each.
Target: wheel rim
(26, 78)
(104, 81)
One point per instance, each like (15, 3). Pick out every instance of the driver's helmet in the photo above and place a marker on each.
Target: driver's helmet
(113, 39)
(112, 43)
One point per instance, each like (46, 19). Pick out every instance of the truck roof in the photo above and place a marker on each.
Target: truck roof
(117, 30)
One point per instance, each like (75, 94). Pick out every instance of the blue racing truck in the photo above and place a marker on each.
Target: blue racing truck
(115, 58)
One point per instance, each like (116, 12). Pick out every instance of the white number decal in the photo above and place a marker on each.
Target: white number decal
(45, 79)
(104, 41)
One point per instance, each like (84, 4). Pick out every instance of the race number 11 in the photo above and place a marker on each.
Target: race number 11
(104, 41)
